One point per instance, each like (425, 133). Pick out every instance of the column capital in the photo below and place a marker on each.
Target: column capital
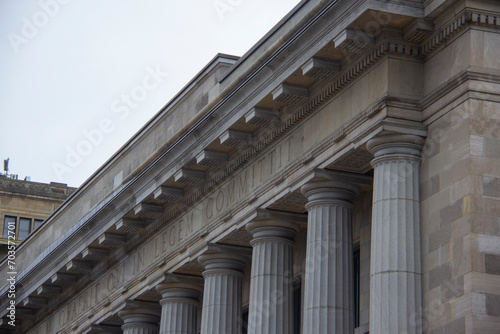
(179, 291)
(222, 261)
(399, 145)
(104, 329)
(140, 312)
(329, 191)
(272, 228)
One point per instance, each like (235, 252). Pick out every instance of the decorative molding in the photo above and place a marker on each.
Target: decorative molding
(112, 240)
(356, 41)
(322, 69)
(46, 290)
(261, 117)
(63, 279)
(94, 253)
(418, 30)
(128, 225)
(290, 94)
(458, 23)
(35, 302)
(168, 194)
(79, 266)
(211, 158)
(189, 176)
(235, 138)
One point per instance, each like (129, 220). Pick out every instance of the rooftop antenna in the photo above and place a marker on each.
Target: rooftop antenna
(6, 170)
(6, 166)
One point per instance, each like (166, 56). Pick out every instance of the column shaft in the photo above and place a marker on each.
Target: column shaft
(271, 290)
(328, 295)
(395, 270)
(139, 329)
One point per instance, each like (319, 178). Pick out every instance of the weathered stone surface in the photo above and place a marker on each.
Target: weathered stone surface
(491, 186)
(492, 264)
(442, 89)
(493, 305)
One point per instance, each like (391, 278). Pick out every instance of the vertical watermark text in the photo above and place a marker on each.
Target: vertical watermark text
(11, 273)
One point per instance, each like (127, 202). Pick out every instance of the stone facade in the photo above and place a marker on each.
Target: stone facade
(341, 177)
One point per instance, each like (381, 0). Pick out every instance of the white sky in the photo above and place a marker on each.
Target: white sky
(65, 64)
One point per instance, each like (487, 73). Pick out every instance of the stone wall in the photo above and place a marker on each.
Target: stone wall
(460, 190)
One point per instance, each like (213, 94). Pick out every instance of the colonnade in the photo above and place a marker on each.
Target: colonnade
(328, 306)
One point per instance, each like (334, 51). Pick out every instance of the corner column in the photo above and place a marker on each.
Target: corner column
(328, 295)
(395, 268)
(140, 318)
(271, 290)
(222, 293)
(179, 307)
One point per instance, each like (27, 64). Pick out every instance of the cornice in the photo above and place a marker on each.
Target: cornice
(289, 121)
(35, 190)
(451, 90)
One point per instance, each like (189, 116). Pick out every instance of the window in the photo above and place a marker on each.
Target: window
(24, 228)
(9, 221)
(356, 267)
(37, 223)
(297, 306)
(244, 327)
(20, 228)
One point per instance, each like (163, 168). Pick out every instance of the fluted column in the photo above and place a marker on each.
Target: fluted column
(271, 291)
(328, 295)
(140, 318)
(395, 270)
(221, 311)
(179, 307)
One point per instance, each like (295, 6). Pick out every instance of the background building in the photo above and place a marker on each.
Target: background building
(343, 176)
(24, 205)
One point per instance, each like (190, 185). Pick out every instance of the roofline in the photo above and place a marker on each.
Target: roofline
(265, 38)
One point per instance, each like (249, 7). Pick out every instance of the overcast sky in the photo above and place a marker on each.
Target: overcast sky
(67, 67)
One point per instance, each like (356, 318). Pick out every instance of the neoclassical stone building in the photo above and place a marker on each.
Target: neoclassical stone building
(343, 176)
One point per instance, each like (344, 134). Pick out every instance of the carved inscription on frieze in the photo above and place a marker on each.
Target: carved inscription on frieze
(214, 207)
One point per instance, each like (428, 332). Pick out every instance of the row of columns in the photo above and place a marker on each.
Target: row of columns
(271, 299)
(395, 292)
